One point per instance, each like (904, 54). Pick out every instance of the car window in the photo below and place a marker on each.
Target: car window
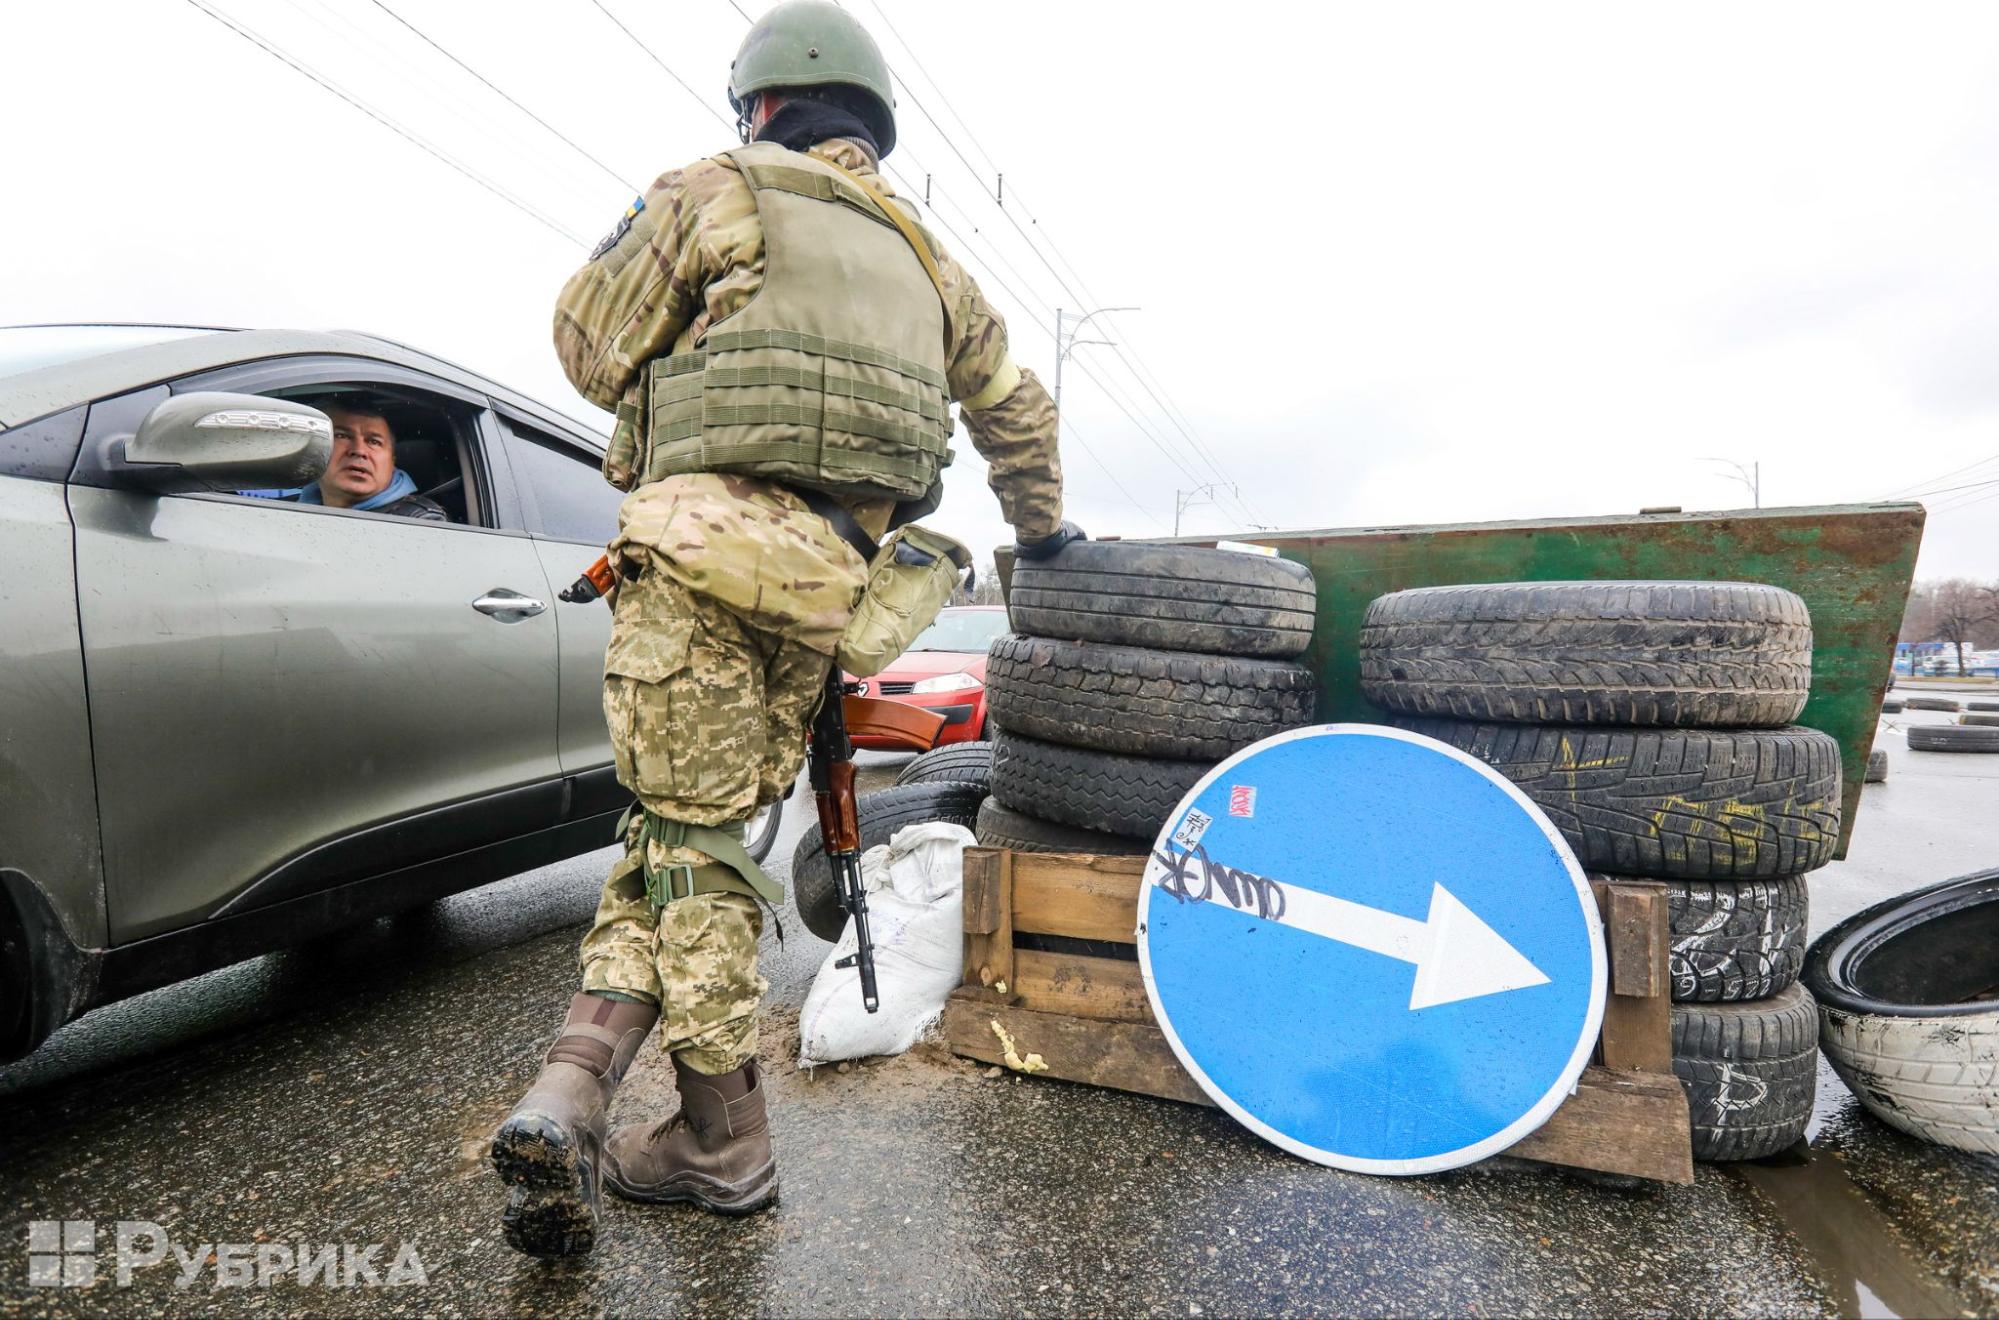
(564, 487)
(404, 451)
(968, 630)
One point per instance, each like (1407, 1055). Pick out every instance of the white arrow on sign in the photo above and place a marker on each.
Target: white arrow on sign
(1457, 956)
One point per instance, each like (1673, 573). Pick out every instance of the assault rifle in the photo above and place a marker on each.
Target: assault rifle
(832, 769)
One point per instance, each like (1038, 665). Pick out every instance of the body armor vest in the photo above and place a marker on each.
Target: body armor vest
(832, 375)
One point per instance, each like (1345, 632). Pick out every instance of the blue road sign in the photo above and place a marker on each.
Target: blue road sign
(1372, 949)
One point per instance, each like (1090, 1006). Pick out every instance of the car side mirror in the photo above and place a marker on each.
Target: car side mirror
(214, 441)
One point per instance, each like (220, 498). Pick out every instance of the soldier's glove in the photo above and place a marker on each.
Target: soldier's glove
(1046, 547)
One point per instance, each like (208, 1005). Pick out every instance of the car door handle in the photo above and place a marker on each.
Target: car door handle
(508, 606)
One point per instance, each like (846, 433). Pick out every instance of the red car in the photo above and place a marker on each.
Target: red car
(944, 671)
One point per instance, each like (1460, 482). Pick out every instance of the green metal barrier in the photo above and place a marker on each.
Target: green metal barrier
(1851, 563)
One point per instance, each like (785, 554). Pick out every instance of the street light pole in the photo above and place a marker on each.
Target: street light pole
(1751, 477)
(1066, 343)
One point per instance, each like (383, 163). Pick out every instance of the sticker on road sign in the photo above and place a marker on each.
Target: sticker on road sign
(1395, 967)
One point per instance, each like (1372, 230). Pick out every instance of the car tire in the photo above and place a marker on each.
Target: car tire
(1750, 1071)
(1689, 804)
(959, 763)
(1877, 767)
(1001, 826)
(761, 832)
(1976, 720)
(1952, 738)
(1908, 1016)
(1893, 706)
(1125, 795)
(1950, 704)
(813, 891)
(1142, 702)
(1675, 654)
(1734, 940)
(1992, 706)
(1167, 597)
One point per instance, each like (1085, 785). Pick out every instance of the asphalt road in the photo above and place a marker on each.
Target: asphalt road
(342, 1093)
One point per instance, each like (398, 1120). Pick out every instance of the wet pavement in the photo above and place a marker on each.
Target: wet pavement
(342, 1093)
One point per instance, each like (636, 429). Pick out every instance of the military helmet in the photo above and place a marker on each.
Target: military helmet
(814, 43)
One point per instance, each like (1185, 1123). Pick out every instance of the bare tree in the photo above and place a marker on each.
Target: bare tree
(1960, 610)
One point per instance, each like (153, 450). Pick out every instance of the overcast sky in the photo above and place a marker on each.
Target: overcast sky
(1397, 263)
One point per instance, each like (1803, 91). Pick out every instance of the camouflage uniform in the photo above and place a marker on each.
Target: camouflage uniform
(736, 593)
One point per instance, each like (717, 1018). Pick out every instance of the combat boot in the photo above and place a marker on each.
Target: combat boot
(714, 1153)
(550, 1149)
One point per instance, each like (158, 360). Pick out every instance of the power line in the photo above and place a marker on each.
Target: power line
(497, 91)
(1976, 485)
(407, 135)
(699, 99)
(1084, 298)
(1900, 491)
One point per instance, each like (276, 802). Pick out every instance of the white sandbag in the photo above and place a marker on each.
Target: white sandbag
(916, 903)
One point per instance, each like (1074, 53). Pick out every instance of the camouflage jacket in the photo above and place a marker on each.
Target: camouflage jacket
(693, 253)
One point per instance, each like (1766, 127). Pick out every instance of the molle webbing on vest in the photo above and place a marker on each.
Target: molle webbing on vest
(832, 376)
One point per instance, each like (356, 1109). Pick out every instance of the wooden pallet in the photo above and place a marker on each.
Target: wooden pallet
(1089, 1020)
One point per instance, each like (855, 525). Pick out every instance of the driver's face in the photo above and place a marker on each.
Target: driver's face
(364, 459)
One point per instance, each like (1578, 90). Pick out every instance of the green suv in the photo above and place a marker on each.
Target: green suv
(228, 722)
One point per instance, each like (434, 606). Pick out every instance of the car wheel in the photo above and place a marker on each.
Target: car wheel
(761, 832)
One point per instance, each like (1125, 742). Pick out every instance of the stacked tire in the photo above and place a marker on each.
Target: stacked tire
(1134, 670)
(1650, 721)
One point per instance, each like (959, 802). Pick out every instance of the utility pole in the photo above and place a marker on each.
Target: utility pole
(1184, 500)
(1066, 343)
(1751, 477)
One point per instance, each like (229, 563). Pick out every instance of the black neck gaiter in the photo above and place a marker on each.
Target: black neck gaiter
(801, 123)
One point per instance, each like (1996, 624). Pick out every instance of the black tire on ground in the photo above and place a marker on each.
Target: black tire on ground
(1002, 827)
(1693, 804)
(1977, 720)
(1143, 702)
(1750, 1071)
(959, 763)
(1877, 767)
(881, 814)
(1893, 706)
(1982, 705)
(1933, 703)
(1952, 738)
(1674, 654)
(1735, 939)
(1169, 597)
(1127, 795)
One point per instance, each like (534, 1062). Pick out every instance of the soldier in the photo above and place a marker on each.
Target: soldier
(781, 343)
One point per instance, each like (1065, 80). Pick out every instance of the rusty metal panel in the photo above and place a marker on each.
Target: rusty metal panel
(1851, 563)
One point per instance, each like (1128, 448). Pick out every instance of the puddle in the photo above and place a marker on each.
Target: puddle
(1857, 1249)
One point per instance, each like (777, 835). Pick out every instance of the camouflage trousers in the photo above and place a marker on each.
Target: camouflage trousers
(708, 720)
(696, 958)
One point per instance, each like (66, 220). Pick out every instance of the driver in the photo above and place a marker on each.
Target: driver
(363, 474)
